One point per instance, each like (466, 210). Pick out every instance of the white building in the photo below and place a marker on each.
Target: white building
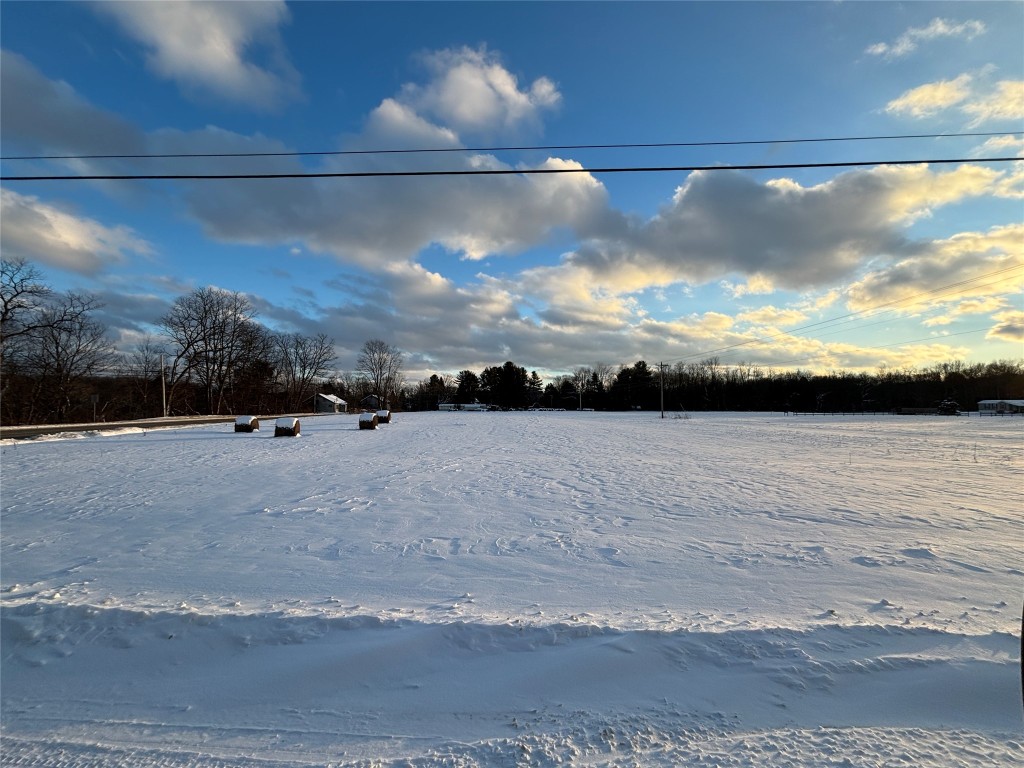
(992, 407)
(330, 404)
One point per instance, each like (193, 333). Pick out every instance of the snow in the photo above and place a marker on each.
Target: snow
(483, 589)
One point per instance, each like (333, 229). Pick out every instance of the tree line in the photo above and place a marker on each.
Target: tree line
(709, 385)
(212, 356)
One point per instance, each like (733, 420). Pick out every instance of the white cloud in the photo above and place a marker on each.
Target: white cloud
(205, 47)
(1006, 102)
(779, 232)
(472, 92)
(398, 125)
(376, 222)
(980, 306)
(980, 103)
(42, 232)
(756, 285)
(973, 265)
(938, 28)
(1002, 145)
(1009, 327)
(818, 303)
(931, 98)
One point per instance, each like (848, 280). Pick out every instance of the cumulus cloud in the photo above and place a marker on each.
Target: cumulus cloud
(206, 47)
(38, 231)
(970, 265)
(379, 221)
(1009, 327)
(472, 92)
(938, 28)
(793, 236)
(374, 222)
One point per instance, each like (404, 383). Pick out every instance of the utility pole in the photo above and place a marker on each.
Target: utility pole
(163, 385)
(661, 367)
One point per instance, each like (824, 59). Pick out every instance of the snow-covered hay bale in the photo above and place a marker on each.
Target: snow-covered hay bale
(247, 424)
(287, 426)
(384, 416)
(368, 421)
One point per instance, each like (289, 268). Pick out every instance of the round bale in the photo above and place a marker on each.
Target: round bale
(368, 421)
(287, 426)
(247, 424)
(384, 416)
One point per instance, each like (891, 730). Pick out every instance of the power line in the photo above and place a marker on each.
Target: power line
(504, 172)
(655, 145)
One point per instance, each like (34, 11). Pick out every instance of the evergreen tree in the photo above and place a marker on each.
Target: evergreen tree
(467, 387)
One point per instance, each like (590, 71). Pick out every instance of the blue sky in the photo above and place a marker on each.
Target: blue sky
(553, 272)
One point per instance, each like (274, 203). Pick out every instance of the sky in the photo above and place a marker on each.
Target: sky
(842, 268)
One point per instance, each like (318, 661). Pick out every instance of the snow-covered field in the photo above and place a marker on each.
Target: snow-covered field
(512, 589)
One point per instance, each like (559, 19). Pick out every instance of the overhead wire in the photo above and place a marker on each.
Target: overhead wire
(502, 171)
(541, 147)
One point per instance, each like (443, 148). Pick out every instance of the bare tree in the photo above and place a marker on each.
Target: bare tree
(209, 330)
(381, 365)
(605, 374)
(65, 348)
(581, 381)
(27, 305)
(22, 297)
(252, 378)
(301, 360)
(143, 369)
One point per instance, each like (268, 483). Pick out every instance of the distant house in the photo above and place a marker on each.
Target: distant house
(992, 407)
(330, 404)
(371, 403)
